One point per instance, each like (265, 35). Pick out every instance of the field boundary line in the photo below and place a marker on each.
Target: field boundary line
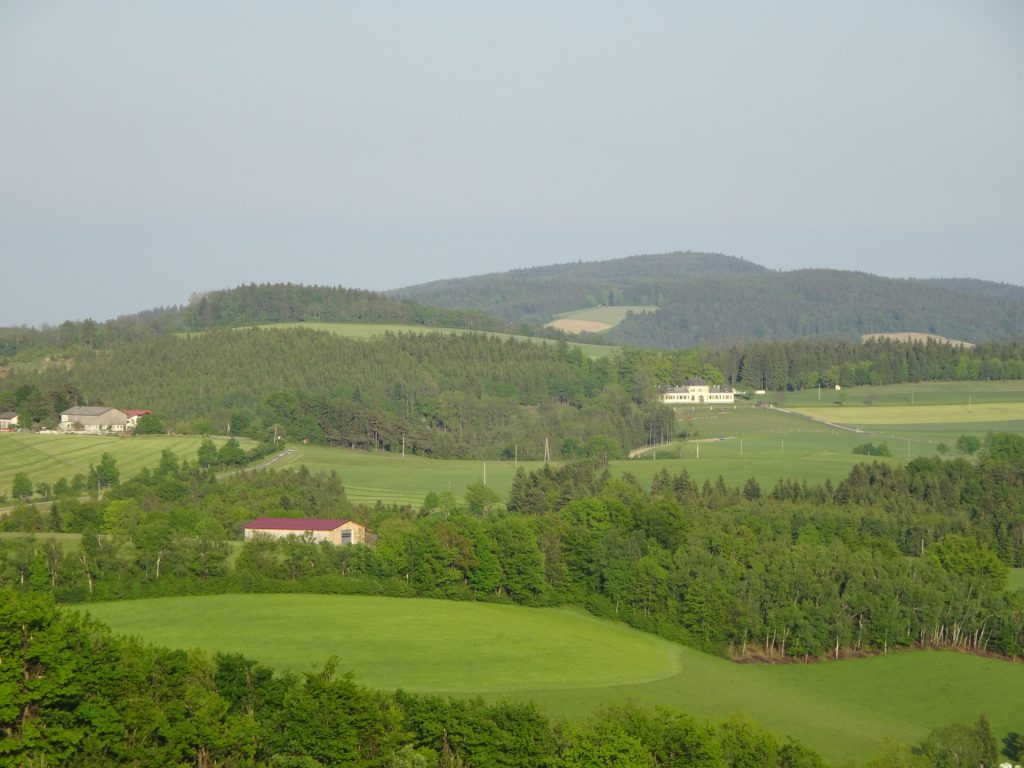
(855, 430)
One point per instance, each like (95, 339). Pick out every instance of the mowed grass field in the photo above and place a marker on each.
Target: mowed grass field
(47, 458)
(570, 663)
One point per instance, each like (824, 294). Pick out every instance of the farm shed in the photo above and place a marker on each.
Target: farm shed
(338, 532)
(89, 418)
(8, 420)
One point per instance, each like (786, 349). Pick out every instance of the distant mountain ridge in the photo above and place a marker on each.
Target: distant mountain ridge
(713, 299)
(536, 294)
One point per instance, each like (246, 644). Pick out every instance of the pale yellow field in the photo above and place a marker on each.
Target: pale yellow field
(916, 414)
(579, 326)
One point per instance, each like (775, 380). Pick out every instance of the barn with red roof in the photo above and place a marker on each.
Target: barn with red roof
(338, 532)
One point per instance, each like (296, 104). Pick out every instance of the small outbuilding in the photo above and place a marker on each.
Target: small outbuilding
(340, 532)
(8, 420)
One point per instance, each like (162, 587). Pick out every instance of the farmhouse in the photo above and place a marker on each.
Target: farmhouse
(698, 391)
(8, 420)
(134, 416)
(335, 531)
(88, 418)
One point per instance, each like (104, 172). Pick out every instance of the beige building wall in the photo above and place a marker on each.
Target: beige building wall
(349, 533)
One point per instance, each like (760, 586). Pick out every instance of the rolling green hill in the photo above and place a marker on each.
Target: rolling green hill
(571, 663)
(539, 293)
(711, 299)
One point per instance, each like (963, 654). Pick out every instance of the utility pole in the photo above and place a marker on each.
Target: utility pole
(515, 461)
(403, 446)
(547, 451)
(485, 473)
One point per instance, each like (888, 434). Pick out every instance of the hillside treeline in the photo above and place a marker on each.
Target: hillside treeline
(891, 557)
(807, 303)
(444, 395)
(537, 294)
(76, 695)
(808, 363)
(254, 304)
(450, 395)
(258, 304)
(710, 300)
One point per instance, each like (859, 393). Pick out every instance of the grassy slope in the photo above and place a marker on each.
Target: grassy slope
(570, 663)
(47, 458)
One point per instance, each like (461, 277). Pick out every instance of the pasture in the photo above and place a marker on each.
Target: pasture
(48, 458)
(570, 663)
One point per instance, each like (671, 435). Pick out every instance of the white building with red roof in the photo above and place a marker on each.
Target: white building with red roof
(134, 416)
(338, 532)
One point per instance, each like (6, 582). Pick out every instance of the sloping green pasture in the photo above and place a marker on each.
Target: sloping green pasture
(874, 416)
(965, 393)
(570, 663)
(735, 443)
(47, 458)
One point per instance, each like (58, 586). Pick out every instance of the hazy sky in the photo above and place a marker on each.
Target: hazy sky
(150, 150)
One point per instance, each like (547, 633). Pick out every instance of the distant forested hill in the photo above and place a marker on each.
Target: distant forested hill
(978, 287)
(289, 303)
(709, 299)
(538, 293)
(788, 305)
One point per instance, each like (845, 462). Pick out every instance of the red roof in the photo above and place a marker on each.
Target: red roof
(137, 413)
(294, 524)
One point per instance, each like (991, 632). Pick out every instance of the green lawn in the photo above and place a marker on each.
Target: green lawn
(571, 663)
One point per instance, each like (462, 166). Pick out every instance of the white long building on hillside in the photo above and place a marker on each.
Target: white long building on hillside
(699, 392)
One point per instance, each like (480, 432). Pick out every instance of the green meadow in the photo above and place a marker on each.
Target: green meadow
(48, 458)
(966, 393)
(570, 663)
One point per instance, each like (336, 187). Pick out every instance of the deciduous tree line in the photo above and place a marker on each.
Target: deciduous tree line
(890, 557)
